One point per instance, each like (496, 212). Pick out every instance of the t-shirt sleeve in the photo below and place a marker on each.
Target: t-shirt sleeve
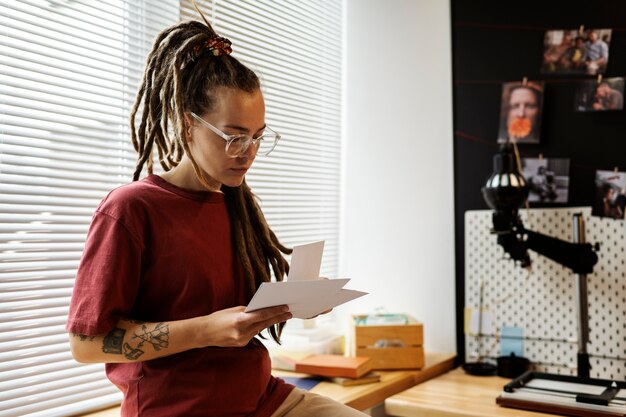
(107, 279)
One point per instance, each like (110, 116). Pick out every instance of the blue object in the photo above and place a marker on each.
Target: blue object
(512, 341)
(305, 383)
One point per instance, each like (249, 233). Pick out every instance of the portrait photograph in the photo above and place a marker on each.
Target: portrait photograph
(520, 112)
(607, 94)
(547, 179)
(610, 198)
(576, 51)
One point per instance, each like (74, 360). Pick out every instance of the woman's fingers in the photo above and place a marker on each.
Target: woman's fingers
(266, 314)
(266, 317)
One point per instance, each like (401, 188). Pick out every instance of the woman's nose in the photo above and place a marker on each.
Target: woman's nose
(249, 152)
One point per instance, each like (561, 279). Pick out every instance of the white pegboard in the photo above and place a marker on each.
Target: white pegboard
(543, 301)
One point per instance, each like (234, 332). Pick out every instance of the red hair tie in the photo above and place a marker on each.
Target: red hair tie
(216, 46)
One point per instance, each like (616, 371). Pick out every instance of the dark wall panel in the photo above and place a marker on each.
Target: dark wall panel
(497, 41)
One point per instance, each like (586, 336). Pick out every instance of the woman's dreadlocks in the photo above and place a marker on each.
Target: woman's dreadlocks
(188, 63)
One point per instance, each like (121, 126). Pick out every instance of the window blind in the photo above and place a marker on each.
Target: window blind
(69, 71)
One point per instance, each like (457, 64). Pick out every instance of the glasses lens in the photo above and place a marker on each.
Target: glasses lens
(237, 146)
(267, 143)
(262, 145)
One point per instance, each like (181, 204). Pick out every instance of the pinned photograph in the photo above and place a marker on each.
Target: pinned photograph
(576, 51)
(548, 180)
(520, 112)
(610, 198)
(600, 95)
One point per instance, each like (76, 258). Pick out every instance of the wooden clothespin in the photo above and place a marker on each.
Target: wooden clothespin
(615, 169)
(581, 30)
(540, 156)
(599, 78)
(525, 81)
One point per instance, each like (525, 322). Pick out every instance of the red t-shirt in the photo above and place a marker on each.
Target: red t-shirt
(155, 253)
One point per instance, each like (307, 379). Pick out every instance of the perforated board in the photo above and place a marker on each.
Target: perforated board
(543, 301)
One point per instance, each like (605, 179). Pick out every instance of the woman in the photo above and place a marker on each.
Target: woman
(170, 261)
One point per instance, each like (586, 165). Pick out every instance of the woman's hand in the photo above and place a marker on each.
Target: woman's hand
(233, 327)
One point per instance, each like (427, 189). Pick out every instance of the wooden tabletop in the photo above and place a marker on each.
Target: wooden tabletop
(454, 394)
(366, 396)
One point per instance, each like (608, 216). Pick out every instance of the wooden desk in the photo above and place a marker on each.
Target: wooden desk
(364, 396)
(455, 394)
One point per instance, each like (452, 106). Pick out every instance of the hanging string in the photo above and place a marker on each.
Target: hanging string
(480, 25)
(475, 139)
(518, 162)
(493, 144)
(580, 79)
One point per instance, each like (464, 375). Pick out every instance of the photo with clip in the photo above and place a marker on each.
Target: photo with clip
(583, 52)
(547, 179)
(610, 200)
(520, 112)
(602, 95)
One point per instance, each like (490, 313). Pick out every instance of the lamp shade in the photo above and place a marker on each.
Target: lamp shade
(506, 189)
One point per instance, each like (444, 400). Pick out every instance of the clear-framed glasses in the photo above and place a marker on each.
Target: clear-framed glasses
(236, 145)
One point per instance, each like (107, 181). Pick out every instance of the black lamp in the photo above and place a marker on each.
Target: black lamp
(506, 189)
(505, 192)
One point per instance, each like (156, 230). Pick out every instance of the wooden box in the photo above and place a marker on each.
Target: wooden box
(390, 346)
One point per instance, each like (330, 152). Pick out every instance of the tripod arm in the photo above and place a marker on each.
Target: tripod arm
(579, 257)
(516, 240)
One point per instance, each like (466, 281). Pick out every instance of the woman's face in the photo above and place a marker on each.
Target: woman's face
(235, 112)
(523, 104)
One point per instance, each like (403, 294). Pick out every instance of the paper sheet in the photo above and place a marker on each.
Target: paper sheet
(306, 261)
(473, 321)
(304, 292)
(304, 298)
(512, 341)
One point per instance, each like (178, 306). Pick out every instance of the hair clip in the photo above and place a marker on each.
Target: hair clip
(217, 46)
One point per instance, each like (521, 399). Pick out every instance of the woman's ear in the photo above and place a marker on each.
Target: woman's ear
(188, 122)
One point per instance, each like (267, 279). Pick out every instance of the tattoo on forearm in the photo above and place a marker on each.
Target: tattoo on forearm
(132, 353)
(158, 337)
(112, 342)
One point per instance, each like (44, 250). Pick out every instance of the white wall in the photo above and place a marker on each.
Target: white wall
(398, 234)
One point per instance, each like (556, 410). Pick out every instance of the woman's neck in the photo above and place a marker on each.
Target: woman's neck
(184, 176)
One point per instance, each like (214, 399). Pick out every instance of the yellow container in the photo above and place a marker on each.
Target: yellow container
(390, 346)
